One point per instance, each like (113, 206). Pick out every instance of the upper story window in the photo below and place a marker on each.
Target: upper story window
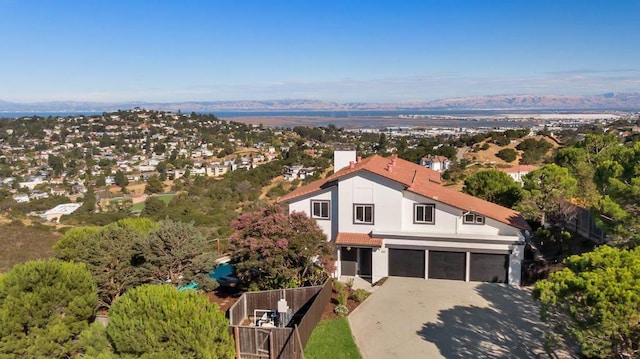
(424, 213)
(363, 214)
(472, 218)
(320, 209)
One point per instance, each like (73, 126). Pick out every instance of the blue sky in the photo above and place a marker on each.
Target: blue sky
(347, 50)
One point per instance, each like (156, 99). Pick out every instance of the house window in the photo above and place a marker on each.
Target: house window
(320, 209)
(424, 213)
(363, 214)
(472, 218)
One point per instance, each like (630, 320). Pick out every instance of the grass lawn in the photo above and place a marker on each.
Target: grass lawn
(332, 339)
(166, 198)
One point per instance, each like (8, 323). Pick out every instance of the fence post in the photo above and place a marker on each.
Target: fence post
(297, 338)
(272, 346)
(236, 334)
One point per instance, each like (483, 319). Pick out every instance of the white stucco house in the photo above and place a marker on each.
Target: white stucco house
(391, 217)
(436, 163)
(518, 172)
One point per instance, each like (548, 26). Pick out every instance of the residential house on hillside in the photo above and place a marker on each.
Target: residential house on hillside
(436, 163)
(518, 172)
(391, 217)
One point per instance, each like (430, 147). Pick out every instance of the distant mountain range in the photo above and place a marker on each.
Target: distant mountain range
(627, 101)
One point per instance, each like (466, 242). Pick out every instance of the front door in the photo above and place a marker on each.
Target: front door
(365, 262)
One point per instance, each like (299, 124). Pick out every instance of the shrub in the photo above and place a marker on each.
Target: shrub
(44, 306)
(507, 154)
(359, 295)
(485, 146)
(160, 321)
(341, 310)
(337, 286)
(206, 283)
(350, 283)
(342, 297)
(502, 141)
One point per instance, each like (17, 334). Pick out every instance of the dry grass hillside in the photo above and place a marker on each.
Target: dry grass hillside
(488, 156)
(24, 241)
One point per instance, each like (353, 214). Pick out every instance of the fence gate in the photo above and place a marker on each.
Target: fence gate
(263, 347)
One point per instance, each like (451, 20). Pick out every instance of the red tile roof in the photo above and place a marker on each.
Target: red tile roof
(358, 239)
(519, 168)
(420, 180)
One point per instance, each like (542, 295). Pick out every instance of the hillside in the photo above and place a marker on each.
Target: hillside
(488, 156)
(499, 102)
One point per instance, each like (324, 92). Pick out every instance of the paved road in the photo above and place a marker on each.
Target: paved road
(417, 318)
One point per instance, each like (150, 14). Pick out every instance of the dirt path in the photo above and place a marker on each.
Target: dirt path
(274, 182)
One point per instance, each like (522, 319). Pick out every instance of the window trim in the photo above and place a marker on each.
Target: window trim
(321, 202)
(364, 205)
(478, 219)
(432, 206)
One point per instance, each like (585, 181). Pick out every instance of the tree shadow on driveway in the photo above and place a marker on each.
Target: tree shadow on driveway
(508, 328)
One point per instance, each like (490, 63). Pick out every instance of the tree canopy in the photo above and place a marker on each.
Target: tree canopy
(44, 306)
(159, 321)
(135, 251)
(494, 186)
(596, 300)
(176, 252)
(547, 194)
(609, 180)
(274, 249)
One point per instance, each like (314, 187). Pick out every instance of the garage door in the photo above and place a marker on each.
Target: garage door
(406, 263)
(447, 265)
(489, 267)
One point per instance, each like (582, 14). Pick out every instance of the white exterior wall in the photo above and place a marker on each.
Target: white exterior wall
(380, 264)
(367, 188)
(304, 205)
(515, 264)
(448, 219)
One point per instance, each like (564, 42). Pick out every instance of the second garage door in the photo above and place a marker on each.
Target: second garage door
(406, 263)
(447, 265)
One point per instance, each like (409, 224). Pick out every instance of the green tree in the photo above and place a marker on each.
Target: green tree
(154, 185)
(595, 299)
(274, 249)
(507, 154)
(56, 163)
(547, 194)
(152, 206)
(88, 202)
(156, 321)
(44, 306)
(120, 179)
(494, 186)
(176, 252)
(111, 254)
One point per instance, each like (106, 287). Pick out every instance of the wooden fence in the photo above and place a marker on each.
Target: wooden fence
(314, 313)
(307, 304)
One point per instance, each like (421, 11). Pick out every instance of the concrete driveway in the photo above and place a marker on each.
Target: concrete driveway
(417, 318)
